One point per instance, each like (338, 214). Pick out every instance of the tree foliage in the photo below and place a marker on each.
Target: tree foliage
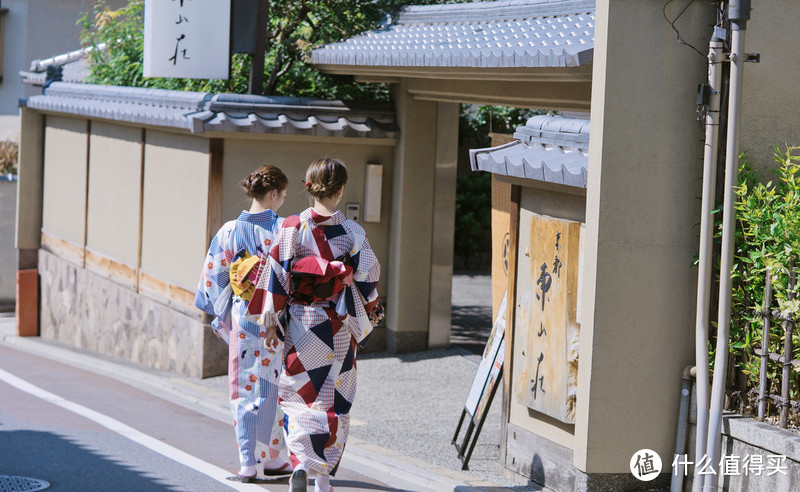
(477, 122)
(473, 228)
(295, 27)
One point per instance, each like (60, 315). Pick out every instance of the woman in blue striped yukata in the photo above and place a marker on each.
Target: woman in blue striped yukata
(255, 354)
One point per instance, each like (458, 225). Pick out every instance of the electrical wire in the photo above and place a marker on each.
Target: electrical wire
(673, 21)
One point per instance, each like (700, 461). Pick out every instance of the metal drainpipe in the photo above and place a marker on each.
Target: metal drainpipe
(676, 484)
(738, 14)
(706, 243)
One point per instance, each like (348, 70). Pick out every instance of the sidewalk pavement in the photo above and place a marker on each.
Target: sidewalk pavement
(402, 422)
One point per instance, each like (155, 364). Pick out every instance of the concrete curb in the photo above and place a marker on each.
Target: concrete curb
(379, 463)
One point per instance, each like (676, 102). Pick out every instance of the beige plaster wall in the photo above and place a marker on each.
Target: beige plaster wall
(242, 156)
(30, 188)
(642, 206)
(8, 254)
(65, 168)
(175, 209)
(115, 154)
(770, 106)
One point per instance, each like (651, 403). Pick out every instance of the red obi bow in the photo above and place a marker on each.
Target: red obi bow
(317, 279)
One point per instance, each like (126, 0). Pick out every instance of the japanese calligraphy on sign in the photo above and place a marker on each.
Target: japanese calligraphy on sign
(547, 382)
(187, 38)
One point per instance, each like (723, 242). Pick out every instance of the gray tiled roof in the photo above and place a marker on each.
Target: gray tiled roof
(553, 149)
(64, 58)
(500, 34)
(75, 67)
(199, 112)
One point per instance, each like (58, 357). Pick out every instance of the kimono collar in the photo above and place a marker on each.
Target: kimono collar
(337, 217)
(265, 216)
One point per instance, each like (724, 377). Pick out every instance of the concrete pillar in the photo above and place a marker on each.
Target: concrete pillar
(444, 211)
(29, 190)
(641, 213)
(409, 289)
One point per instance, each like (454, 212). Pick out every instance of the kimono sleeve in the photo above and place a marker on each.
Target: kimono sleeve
(361, 297)
(272, 287)
(214, 293)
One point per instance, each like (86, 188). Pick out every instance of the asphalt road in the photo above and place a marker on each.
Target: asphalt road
(81, 431)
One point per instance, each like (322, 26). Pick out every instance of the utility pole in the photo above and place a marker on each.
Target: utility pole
(256, 84)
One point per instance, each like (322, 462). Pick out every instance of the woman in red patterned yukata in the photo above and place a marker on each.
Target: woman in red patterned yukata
(321, 291)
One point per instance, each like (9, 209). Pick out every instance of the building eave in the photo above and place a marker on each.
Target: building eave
(386, 74)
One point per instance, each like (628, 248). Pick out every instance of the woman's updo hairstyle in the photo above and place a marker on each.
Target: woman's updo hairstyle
(325, 177)
(263, 180)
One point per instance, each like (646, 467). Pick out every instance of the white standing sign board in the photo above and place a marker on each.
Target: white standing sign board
(187, 38)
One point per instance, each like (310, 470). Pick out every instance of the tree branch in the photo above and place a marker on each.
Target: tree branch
(279, 68)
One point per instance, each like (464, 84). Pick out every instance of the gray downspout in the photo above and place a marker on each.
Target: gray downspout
(738, 14)
(706, 242)
(676, 484)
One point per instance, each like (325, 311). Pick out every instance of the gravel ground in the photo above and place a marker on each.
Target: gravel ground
(472, 316)
(411, 404)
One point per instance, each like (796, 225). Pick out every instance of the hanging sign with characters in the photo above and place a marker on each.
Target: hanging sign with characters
(187, 38)
(548, 311)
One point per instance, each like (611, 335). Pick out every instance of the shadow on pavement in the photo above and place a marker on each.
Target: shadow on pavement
(533, 487)
(414, 356)
(470, 327)
(353, 484)
(68, 466)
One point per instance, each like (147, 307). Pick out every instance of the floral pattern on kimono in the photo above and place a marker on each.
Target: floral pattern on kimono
(253, 371)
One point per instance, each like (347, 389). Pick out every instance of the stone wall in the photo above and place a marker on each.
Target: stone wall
(87, 311)
(742, 439)
(8, 254)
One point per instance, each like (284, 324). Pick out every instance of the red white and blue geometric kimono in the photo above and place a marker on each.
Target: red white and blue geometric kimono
(324, 272)
(253, 371)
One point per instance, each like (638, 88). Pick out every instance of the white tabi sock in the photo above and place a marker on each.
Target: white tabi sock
(322, 483)
(247, 471)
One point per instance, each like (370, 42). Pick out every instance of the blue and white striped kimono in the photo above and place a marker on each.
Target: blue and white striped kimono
(253, 371)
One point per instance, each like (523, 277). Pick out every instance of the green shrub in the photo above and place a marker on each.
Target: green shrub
(767, 239)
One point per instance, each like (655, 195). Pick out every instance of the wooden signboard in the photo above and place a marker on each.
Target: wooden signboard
(187, 39)
(484, 386)
(501, 227)
(548, 309)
